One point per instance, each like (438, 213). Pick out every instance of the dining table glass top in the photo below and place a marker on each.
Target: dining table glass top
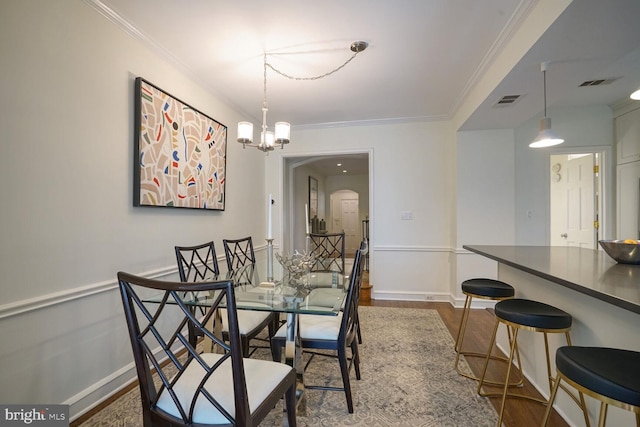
(321, 292)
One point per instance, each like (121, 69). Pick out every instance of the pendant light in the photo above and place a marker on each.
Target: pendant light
(546, 137)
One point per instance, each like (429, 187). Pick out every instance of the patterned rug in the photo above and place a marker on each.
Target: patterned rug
(407, 380)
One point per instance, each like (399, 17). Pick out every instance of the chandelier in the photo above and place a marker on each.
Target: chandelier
(281, 130)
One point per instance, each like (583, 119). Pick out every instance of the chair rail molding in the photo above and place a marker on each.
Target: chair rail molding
(68, 295)
(398, 248)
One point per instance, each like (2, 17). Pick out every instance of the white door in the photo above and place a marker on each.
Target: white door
(349, 214)
(572, 201)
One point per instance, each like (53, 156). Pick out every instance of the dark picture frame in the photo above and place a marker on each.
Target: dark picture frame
(313, 197)
(180, 153)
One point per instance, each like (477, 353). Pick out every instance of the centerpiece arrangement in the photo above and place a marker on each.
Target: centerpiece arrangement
(296, 267)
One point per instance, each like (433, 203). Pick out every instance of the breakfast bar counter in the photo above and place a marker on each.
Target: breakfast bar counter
(602, 296)
(586, 271)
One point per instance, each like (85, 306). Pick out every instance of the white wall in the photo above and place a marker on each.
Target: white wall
(68, 224)
(580, 127)
(411, 170)
(485, 200)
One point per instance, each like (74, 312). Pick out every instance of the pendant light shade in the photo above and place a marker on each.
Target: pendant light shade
(635, 95)
(546, 137)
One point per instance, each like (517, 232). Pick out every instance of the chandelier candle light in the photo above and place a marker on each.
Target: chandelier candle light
(282, 130)
(306, 217)
(269, 240)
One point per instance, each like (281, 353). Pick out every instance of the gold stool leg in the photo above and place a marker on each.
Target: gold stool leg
(463, 327)
(486, 362)
(458, 348)
(552, 397)
(506, 380)
(603, 414)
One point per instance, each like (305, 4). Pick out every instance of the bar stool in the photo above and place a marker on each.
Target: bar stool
(532, 316)
(610, 375)
(481, 288)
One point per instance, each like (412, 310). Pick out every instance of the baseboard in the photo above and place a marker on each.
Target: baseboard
(100, 391)
(409, 296)
(476, 303)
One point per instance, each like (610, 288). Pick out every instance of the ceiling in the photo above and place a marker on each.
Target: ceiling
(424, 56)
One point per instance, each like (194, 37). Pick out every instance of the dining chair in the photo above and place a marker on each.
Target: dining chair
(238, 252)
(364, 252)
(198, 263)
(328, 250)
(336, 333)
(179, 384)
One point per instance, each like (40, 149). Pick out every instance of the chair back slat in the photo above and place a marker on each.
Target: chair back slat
(197, 263)
(328, 250)
(238, 252)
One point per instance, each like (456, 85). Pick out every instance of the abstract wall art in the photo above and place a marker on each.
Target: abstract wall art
(180, 153)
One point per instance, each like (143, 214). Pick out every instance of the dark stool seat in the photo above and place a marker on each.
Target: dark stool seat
(481, 288)
(488, 288)
(607, 374)
(534, 316)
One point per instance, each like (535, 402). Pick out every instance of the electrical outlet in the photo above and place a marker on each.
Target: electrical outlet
(430, 298)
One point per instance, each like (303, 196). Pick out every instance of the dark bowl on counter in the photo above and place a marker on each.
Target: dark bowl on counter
(623, 252)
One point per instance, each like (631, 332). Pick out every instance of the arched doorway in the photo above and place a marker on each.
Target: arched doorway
(334, 173)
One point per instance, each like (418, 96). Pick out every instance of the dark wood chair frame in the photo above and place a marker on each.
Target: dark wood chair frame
(196, 263)
(347, 338)
(147, 332)
(238, 252)
(329, 251)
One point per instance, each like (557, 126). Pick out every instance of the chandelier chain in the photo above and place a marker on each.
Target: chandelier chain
(267, 64)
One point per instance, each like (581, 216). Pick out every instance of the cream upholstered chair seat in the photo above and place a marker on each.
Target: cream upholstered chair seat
(262, 377)
(248, 320)
(315, 327)
(325, 297)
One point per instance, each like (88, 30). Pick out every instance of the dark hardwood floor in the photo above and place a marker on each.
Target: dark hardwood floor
(518, 412)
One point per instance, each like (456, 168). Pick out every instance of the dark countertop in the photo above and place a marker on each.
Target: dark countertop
(588, 271)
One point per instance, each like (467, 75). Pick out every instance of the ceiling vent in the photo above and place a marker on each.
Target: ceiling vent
(598, 82)
(507, 100)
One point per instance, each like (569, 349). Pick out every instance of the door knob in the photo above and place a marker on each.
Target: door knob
(564, 235)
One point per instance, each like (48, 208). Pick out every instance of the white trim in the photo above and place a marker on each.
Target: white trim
(410, 296)
(93, 395)
(394, 248)
(516, 20)
(374, 122)
(61, 297)
(476, 303)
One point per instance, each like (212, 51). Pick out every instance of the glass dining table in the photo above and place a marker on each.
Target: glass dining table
(319, 293)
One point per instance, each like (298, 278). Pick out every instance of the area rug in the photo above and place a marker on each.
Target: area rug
(407, 380)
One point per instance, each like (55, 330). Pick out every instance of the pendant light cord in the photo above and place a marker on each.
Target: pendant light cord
(266, 64)
(544, 84)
